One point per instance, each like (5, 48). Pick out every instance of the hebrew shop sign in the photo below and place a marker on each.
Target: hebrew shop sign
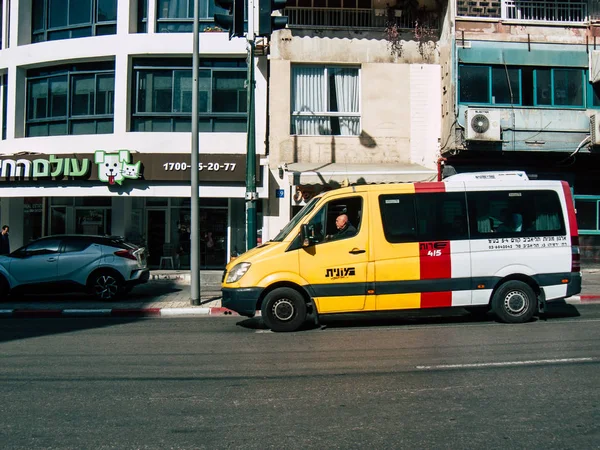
(122, 167)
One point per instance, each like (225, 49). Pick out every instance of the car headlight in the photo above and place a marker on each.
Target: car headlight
(238, 272)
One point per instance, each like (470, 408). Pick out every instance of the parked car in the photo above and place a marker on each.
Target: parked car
(105, 266)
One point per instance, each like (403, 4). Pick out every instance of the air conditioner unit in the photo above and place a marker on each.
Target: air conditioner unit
(483, 125)
(595, 128)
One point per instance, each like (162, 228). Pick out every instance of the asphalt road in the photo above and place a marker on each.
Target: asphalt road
(431, 383)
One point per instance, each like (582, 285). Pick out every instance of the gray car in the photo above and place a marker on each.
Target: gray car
(105, 266)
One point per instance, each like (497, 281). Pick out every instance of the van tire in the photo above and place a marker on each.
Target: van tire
(283, 310)
(514, 302)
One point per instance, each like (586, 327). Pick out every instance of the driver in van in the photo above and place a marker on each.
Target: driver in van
(345, 228)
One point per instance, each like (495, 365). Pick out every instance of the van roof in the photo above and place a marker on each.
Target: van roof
(515, 175)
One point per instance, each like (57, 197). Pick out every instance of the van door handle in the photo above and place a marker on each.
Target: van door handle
(51, 259)
(356, 251)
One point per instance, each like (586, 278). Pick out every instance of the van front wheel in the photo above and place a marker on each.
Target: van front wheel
(283, 309)
(514, 302)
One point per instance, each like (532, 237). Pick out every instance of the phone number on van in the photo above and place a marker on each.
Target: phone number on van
(528, 242)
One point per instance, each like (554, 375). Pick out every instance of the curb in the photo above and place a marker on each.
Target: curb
(129, 312)
(585, 298)
(177, 312)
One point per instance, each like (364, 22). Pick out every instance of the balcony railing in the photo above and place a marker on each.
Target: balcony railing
(573, 11)
(552, 11)
(355, 18)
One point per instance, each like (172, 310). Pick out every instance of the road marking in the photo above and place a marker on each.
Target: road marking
(505, 363)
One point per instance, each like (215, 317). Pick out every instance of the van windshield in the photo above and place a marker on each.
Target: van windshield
(296, 219)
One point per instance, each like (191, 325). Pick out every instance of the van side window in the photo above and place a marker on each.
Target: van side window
(398, 217)
(515, 214)
(442, 216)
(337, 220)
(424, 217)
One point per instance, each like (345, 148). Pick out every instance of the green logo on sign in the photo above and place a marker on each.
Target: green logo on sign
(115, 167)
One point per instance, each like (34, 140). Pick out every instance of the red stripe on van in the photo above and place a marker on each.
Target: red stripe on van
(435, 260)
(570, 209)
(436, 299)
(430, 187)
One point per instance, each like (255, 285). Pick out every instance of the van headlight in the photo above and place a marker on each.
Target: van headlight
(238, 272)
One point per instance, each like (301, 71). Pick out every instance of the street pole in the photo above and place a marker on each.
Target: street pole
(251, 194)
(195, 173)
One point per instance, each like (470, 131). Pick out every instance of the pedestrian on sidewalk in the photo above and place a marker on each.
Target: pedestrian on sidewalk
(4, 244)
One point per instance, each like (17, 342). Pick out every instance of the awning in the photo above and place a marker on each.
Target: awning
(339, 174)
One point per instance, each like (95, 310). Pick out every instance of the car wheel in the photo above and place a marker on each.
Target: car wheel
(283, 309)
(514, 302)
(105, 286)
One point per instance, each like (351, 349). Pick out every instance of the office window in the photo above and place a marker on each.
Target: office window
(177, 16)
(588, 213)
(70, 100)
(4, 95)
(142, 16)
(559, 87)
(325, 101)
(526, 86)
(163, 96)
(490, 85)
(68, 19)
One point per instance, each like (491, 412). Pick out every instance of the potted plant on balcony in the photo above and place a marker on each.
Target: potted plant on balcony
(407, 16)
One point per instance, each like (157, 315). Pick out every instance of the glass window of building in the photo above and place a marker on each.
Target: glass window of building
(177, 16)
(142, 16)
(4, 96)
(526, 86)
(67, 19)
(325, 101)
(71, 100)
(163, 96)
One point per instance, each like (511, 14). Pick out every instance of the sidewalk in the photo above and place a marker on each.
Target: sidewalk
(167, 294)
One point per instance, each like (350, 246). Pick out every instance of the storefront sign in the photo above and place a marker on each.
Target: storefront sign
(123, 166)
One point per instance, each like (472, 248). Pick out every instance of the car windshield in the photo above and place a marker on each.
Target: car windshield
(296, 219)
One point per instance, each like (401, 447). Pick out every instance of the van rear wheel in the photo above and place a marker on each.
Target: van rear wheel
(514, 302)
(283, 310)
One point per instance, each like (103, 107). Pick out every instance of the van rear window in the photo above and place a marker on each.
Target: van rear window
(515, 213)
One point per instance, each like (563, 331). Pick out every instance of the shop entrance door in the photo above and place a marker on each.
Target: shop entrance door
(156, 223)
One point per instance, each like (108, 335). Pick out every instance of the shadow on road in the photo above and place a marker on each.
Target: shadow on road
(555, 310)
(23, 328)
(142, 293)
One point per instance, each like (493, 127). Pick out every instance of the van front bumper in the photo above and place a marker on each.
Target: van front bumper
(241, 300)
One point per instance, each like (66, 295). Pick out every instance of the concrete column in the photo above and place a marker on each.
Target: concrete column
(152, 16)
(123, 14)
(122, 77)
(12, 215)
(121, 216)
(15, 102)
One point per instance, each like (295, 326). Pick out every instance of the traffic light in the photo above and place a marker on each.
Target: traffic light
(234, 21)
(268, 23)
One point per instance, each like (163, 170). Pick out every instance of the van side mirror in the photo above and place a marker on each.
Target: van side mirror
(306, 236)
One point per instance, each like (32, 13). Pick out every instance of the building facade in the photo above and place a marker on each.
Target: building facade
(520, 90)
(96, 122)
(354, 97)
